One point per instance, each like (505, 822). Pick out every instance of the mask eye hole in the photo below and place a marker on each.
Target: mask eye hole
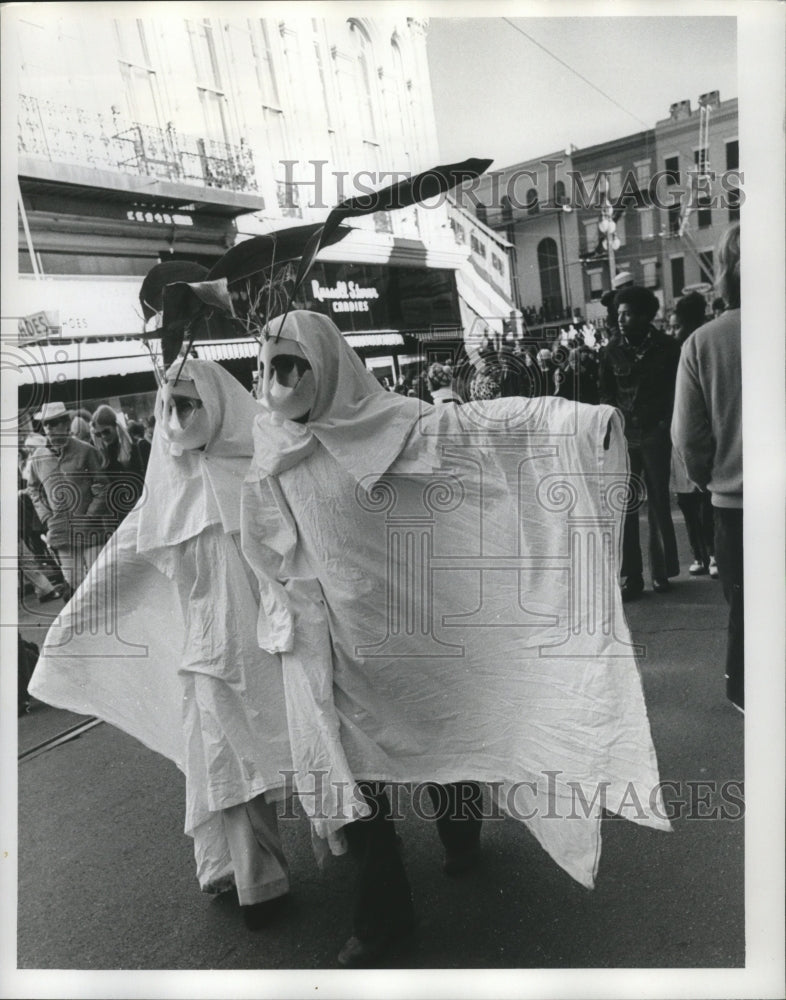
(185, 406)
(289, 368)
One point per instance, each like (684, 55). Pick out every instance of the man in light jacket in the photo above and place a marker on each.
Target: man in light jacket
(68, 489)
(707, 432)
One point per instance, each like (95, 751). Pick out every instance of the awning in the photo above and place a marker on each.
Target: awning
(227, 350)
(450, 333)
(43, 364)
(386, 339)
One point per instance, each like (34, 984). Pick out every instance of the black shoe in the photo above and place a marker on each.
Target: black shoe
(661, 586)
(259, 915)
(459, 862)
(51, 596)
(632, 589)
(361, 953)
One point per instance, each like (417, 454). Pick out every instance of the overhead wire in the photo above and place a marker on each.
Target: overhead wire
(575, 72)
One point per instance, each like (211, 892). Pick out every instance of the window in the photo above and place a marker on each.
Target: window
(704, 210)
(596, 284)
(591, 235)
(647, 223)
(560, 197)
(266, 73)
(327, 103)
(733, 195)
(476, 245)
(733, 202)
(496, 263)
(550, 288)
(461, 236)
(643, 174)
(614, 182)
(649, 270)
(286, 193)
(405, 118)
(671, 166)
(701, 159)
(707, 266)
(532, 202)
(208, 79)
(507, 209)
(677, 276)
(364, 75)
(139, 77)
(674, 220)
(203, 52)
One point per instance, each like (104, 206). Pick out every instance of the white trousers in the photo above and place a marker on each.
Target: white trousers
(261, 871)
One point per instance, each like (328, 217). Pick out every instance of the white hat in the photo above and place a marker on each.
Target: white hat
(52, 411)
(621, 280)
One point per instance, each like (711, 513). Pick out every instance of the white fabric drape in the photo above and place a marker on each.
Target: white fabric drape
(465, 586)
(160, 639)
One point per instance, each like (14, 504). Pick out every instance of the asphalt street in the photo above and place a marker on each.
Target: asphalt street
(106, 875)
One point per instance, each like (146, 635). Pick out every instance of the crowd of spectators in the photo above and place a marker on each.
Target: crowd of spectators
(79, 473)
(688, 449)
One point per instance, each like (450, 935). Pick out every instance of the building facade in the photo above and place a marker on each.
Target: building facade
(530, 203)
(700, 185)
(669, 192)
(605, 175)
(187, 134)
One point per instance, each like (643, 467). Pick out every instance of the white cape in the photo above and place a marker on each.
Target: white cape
(160, 639)
(463, 617)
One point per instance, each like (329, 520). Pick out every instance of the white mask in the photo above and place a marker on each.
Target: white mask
(187, 424)
(291, 395)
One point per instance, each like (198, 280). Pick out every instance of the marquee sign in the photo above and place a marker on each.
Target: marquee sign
(360, 297)
(345, 296)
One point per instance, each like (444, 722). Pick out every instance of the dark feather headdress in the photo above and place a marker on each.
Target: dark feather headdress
(260, 278)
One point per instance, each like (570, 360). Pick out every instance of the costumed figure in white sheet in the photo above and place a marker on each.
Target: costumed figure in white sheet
(160, 639)
(440, 583)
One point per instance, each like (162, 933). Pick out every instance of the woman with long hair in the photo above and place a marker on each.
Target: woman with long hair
(121, 461)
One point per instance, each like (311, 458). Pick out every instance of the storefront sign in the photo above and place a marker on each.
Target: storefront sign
(345, 296)
(75, 308)
(360, 297)
(38, 326)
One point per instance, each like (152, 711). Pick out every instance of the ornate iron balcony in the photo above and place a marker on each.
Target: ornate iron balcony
(64, 134)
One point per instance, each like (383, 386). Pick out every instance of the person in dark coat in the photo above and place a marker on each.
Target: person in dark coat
(121, 462)
(578, 379)
(638, 371)
(137, 431)
(695, 504)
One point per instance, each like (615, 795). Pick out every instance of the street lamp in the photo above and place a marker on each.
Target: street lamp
(608, 230)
